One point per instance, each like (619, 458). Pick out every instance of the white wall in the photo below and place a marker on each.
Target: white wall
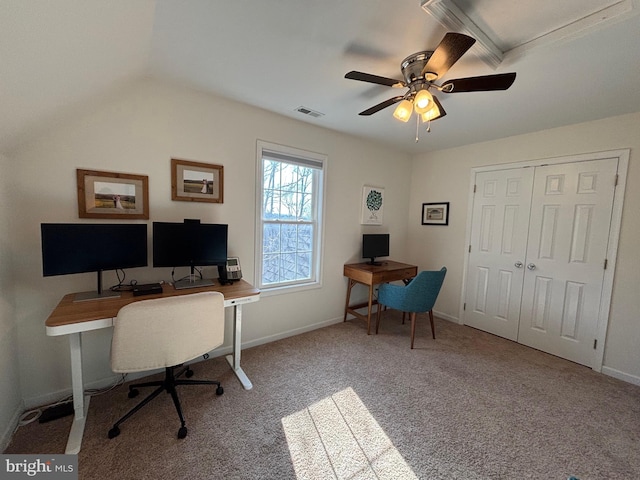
(140, 128)
(445, 176)
(137, 131)
(10, 400)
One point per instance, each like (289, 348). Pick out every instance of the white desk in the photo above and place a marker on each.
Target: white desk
(72, 319)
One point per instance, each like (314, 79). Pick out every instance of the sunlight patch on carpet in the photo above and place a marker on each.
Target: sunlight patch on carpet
(337, 438)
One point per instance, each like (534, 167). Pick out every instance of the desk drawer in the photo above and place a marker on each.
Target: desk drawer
(394, 275)
(361, 276)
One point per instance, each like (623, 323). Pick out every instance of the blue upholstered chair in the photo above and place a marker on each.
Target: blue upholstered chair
(417, 296)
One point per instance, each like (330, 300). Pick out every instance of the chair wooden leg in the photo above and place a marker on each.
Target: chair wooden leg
(413, 326)
(403, 315)
(433, 328)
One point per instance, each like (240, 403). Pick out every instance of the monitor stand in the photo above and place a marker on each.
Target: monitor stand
(85, 296)
(374, 263)
(98, 294)
(187, 283)
(192, 282)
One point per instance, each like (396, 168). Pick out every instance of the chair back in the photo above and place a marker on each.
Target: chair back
(165, 332)
(422, 292)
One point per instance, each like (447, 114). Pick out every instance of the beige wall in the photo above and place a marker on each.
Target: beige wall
(445, 176)
(137, 131)
(11, 399)
(139, 128)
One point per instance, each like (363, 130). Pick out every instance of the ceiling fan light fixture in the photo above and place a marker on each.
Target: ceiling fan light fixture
(429, 115)
(403, 111)
(423, 102)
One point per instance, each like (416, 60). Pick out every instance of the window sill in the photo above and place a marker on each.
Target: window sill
(284, 289)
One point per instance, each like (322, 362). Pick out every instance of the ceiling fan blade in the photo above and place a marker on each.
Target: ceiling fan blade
(451, 48)
(367, 77)
(380, 106)
(500, 81)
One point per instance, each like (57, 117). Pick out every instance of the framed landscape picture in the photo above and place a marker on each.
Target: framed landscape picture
(112, 195)
(435, 213)
(196, 182)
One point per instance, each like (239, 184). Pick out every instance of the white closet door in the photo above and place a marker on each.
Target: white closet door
(568, 235)
(500, 223)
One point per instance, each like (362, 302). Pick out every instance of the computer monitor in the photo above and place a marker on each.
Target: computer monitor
(189, 244)
(375, 245)
(69, 248)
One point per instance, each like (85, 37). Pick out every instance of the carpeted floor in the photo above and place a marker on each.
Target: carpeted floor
(336, 403)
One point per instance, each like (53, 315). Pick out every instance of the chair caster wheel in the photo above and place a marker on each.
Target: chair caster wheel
(182, 432)
(188, 373)
(133, 393)
(219, 390)
(114, 432)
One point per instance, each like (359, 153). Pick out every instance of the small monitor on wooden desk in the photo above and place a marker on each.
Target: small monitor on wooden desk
(375, 245)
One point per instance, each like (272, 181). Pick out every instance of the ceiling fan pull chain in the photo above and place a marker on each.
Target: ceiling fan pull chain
(428, 126)
(417, 128)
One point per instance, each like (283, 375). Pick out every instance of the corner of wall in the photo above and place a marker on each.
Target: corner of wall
(11, 402)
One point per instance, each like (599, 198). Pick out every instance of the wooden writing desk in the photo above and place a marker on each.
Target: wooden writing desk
(73, 318)
(370, 275)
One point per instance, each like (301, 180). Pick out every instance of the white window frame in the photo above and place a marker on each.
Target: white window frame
(305, 158)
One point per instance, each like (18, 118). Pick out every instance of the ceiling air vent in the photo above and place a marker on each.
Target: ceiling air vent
(308, 111)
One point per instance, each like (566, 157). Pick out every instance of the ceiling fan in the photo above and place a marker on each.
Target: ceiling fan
(420, 70)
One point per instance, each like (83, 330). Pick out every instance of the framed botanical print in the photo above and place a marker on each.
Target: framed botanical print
(372, 205)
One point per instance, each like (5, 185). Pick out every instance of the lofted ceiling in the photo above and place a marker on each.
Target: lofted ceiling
(576, 60)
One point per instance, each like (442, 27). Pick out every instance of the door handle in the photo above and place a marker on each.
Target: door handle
(531, 266)
(518, 264)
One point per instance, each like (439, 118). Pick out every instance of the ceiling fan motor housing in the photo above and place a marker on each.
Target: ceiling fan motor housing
(412, 66)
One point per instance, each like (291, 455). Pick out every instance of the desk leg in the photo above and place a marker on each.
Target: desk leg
(346, 304)
(369, 310)
(234, 358)
(80, 402)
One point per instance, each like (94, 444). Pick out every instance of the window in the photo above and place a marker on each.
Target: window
(289, 224)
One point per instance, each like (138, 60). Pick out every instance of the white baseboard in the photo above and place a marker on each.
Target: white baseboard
(441, 315)
(59, 395)
(53, 397)
(612, 372)
(5, 439)
(290, 333)
(445, 316)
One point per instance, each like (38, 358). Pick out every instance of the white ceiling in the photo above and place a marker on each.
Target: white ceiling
(282, 54)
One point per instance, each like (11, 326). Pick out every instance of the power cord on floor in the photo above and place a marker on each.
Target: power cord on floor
(34, 414)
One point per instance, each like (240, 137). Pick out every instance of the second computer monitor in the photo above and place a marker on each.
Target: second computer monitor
(189, 244)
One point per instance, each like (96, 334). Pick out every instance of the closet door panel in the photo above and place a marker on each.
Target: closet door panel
(502, 203)
(569, 231)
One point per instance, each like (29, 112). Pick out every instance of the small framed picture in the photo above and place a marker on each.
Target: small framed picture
(196, 182)
(112, 195)
(435, 213)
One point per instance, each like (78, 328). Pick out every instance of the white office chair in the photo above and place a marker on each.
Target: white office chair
(166, 332)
